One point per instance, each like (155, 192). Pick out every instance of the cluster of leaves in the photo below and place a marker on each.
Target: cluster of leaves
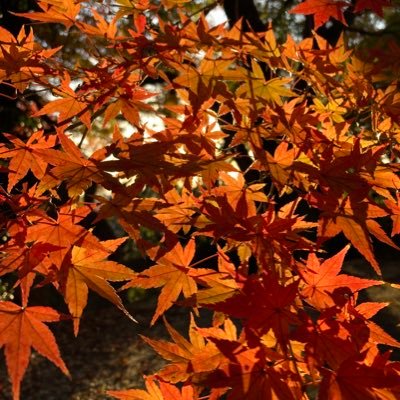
(321, 128)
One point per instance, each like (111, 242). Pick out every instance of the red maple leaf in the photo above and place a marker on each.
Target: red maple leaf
(263, 304)
(355, 218)
(374, 5)
(251, 375)
(356, 381)
(322, 10)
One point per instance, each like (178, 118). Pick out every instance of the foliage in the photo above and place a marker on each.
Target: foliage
(319, 128)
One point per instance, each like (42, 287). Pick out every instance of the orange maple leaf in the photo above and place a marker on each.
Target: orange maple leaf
(22, 328)
(219, 286)
(69, 106)
(132, 213)
(24, 158)
(205, 77)
(321, 280)
(206, 80)
(189, 359)
(88, 268)
(280, 165)
(56, 11)
(162, 391)
(102, 28)
(63, 232)
(173, 3)
(172, 272)
(70, 166)
(178, 213)
(323, 347)
(22, 58)
(129, 102)
(24, 259)
(376, 333)
(151, 162)
(239, 194)
(260, 91)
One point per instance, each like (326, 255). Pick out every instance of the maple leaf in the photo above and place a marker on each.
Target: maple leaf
(322, 346)
(173, 3)
(22, 328)
(70, 166)
(240, 195)
(129, 102)
(207, 75)
(376, 334)
(63, 232)
(374, 5)
(355, 219)
(259, 91)
(173, 273)
(225, 221)
(219, 285)
(382, 180)
(280, 164)
(263, 304)
(331, 110)
(69, 106)
(352, 174)
(178, 214)
(88, 268)
(227, 332)
(356, 381)
(162, 391)
(189, 359)
(211, 169)
(395, 214)
(23, 59)
(24, 259)
(16, 211)
(251, 375)
(102, 28)
(225, 93)
(133, 7)
(133, 213)
(322, 10)
(207, 78)
(24, 158)
(322, 280)
(152, 162)
(55, 11)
